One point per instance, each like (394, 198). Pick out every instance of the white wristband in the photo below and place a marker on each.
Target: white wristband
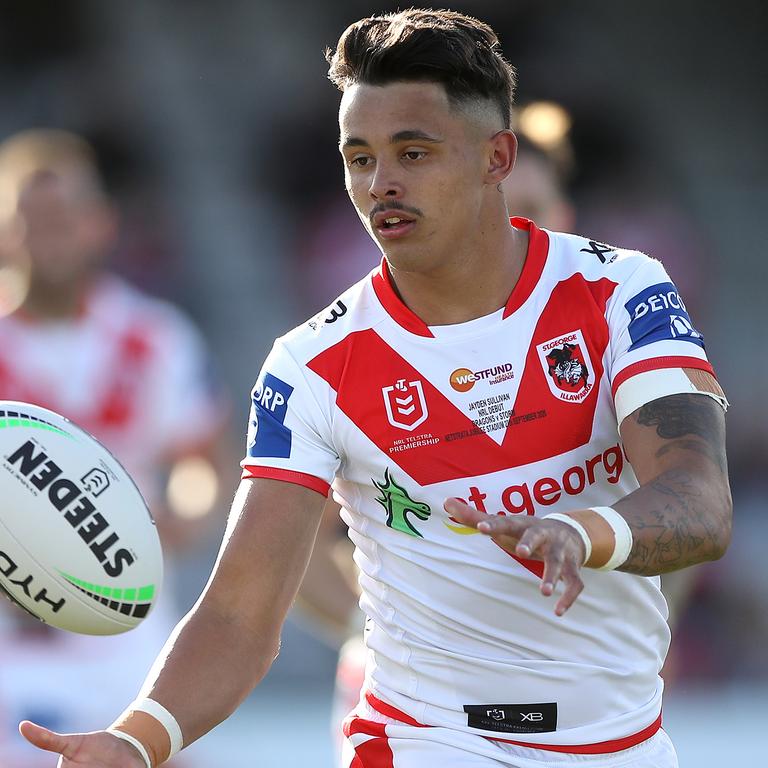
(578, 527)
(622, 533)
(133, 741)
(165, 718)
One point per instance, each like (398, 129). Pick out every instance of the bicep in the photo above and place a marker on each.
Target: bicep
(265, 550)
(678, 430)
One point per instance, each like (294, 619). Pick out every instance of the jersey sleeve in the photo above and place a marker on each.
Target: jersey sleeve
(652, 339)
(187, 383)
(289, 434)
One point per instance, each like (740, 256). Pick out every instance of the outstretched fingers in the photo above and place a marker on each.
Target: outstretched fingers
(558, 546)
(99, 749)
(50, 741)
(463, 513)
(573, 587)
(531, 542)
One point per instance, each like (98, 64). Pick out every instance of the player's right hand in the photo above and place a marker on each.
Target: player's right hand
(83, 750)
(555, 544)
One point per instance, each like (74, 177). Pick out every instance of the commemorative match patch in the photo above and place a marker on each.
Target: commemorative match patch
(567, 367)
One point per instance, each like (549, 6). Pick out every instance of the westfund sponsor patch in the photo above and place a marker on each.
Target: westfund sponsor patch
(512, 718)
(659, 314)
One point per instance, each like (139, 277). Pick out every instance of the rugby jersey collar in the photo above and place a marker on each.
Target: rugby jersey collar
(538, 246)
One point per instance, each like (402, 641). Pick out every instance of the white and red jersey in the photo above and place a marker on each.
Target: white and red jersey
(515, 413)
(130, 369)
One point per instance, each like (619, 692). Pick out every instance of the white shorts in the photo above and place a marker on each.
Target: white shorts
(374, 740)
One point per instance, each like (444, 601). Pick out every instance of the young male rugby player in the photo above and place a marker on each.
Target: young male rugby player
(504, 413)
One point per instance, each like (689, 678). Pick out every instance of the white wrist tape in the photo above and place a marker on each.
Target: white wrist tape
(578, 527)
(622, 533)
(132, 740)
(165, 718)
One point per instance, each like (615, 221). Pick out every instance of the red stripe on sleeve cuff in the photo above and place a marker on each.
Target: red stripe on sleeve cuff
(658, 364)
(287, 476)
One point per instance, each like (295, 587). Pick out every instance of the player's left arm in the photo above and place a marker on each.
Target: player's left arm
(681, 513)
(679, 516)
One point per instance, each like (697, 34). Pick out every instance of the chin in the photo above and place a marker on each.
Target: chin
(406, 259)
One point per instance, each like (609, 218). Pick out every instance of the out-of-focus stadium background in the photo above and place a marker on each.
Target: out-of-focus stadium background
(216, 129)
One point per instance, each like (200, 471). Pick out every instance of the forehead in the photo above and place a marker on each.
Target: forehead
(64, 186)
(369, 111)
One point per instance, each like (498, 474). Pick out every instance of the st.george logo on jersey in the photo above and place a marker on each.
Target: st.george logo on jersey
(405, 404)
(567, 367)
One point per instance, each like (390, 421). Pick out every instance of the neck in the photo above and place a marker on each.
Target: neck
(476, 280)
(58, 301)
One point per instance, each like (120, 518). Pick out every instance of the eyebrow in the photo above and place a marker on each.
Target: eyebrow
(409, 135)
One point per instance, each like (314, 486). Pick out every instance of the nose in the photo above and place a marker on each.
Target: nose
(384, 185)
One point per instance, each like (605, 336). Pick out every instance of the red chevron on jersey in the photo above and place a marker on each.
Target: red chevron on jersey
(367, 375)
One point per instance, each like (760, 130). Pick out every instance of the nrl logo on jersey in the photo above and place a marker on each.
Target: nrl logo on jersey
(567, 367)
(405, 403)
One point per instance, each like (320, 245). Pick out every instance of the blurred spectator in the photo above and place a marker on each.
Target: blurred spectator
(335, 251)
(536, 189)
(128, 368)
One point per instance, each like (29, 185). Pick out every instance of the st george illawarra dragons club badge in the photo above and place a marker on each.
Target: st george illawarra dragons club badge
(567, 367)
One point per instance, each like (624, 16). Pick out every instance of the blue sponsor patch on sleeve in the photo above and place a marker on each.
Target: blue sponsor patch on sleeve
(268, 437)
(659, 314)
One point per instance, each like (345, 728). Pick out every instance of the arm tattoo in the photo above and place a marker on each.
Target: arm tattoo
(690, 422)
(682, 516)
(673, 525)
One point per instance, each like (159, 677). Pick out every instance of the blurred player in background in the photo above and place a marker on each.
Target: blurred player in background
(130, 369)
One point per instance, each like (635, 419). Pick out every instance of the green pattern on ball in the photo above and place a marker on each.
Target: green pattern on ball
(128, 601)
(10, 422)
(131, 594)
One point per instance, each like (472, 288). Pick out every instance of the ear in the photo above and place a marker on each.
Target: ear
(502, 151)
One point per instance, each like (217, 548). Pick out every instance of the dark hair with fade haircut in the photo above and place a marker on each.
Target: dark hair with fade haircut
(457, 51)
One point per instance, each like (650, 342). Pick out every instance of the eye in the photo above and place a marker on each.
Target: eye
(360, 161)
(414, 154)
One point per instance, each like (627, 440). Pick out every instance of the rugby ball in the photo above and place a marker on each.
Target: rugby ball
(78, 547)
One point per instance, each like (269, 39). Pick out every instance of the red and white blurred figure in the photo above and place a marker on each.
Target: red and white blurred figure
(130, 369)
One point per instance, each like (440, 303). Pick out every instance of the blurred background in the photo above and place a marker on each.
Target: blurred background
(215, 131)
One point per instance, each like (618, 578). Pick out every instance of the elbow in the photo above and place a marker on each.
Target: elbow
(268, 652)
(259, 669)
(723, 522)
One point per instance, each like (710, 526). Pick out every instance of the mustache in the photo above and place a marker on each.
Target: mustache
(393, 205)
